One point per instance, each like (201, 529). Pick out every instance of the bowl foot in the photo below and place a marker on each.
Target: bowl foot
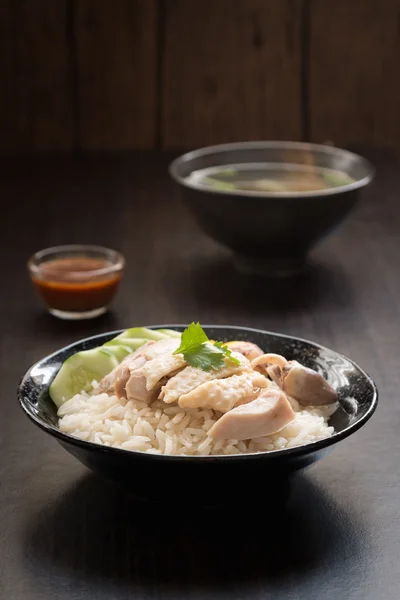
(214, 497)
(270, 267)
(68, 315)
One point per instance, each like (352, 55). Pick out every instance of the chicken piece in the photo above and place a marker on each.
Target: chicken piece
(269, 359)
(262, 362)
(145, 381)
(305, 385)
(190, 378)
(118, 378)
(150, 351)
(224, 394)
(275, 373)
(115, 380)
(248, 349)
(265, 415)
(124, 372)
(162, 366)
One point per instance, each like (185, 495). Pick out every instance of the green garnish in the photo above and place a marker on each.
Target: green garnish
(200, 353)
(218, 184)
(228, 172)
(336, 179)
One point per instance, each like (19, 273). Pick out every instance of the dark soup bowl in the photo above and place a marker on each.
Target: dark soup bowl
(270, 202)
(207, 479)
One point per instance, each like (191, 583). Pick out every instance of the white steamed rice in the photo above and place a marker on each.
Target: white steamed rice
(163, 429)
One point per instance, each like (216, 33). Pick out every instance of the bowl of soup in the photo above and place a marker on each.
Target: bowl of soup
(270, 202)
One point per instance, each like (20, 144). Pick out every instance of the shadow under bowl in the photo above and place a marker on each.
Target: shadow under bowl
(207, 480)
(270, 233)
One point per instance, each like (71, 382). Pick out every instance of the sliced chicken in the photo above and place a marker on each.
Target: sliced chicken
(190, 378)
(123, 372)
(269, 359)
(248, 349)
(305, 385)
(118, 378)
(265, 415)
(262, 362)
(155, 349)
(224, 394)
(145, 381)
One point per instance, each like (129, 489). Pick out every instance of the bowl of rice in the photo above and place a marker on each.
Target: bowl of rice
(161, 451)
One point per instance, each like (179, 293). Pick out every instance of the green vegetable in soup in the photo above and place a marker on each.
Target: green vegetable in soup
(219, 185)
(333, 179)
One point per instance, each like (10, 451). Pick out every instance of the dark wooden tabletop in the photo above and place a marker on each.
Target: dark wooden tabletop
(65, 533)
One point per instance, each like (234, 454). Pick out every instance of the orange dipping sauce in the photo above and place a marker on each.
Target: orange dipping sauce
(57, 287)
(76, 286)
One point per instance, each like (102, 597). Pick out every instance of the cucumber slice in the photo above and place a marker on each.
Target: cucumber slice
(143, 332)
(132, 343)
(117, 350)
(128, 345)
(78, 372)
(170, 333)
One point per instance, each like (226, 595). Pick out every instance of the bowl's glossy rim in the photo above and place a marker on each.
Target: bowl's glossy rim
(271, 455)
(210, 150)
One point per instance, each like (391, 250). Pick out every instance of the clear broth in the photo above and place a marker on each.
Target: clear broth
(269, 177)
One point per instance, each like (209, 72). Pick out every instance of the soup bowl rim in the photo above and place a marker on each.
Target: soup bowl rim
(174, 168)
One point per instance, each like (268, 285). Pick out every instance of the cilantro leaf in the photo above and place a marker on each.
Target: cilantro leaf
(192, 337)
(200, 353)
(206, 357)
(227, 352)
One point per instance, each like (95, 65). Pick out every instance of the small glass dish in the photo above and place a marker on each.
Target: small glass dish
(76, 281)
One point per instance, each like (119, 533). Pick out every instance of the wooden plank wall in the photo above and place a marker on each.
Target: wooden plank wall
(232, 72)
(354, 71)
(120, 74)
(36, 82)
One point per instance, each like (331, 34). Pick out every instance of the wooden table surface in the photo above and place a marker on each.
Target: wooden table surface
(65, 533)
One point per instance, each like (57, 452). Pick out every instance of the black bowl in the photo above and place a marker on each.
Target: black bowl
(270, 233)
(208, 479)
